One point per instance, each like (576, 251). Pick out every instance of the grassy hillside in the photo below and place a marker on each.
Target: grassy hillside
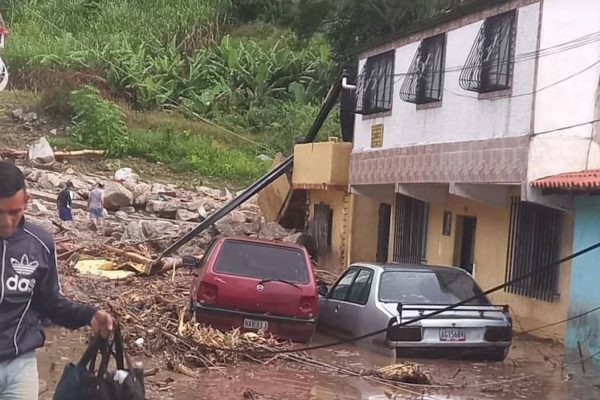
(189, 58)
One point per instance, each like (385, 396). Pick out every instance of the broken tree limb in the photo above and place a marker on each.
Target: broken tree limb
(13, 153)
(131, 256)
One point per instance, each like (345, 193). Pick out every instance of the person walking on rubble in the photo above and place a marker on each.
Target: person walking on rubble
(96, 206)
(64, 202)
(30, 291)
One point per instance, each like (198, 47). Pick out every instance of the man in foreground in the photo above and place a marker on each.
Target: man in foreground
(30, 290)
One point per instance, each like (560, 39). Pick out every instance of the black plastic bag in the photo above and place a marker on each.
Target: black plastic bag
(82, 382)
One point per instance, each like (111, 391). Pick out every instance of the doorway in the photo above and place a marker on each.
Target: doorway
(383, 232)
(464, 247)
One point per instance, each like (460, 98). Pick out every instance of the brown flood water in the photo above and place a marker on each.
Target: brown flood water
(532, 371)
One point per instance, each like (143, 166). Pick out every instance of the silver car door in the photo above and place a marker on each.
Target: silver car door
(330, 314)
(354, 310)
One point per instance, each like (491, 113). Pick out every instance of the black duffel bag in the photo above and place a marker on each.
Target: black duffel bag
(81, 381)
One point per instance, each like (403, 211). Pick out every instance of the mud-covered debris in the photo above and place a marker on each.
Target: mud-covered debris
(405, 372)
(251, 394)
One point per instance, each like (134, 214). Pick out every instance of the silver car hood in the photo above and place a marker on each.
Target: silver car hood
(411, 311)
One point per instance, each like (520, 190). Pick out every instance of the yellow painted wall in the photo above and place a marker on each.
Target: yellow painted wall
(340, 204)
(491, 242)
(322, 163)
(363, 232)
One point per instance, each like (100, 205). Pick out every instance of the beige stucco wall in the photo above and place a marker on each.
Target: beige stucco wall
(491, 242)
(321, 163)
(363, 232)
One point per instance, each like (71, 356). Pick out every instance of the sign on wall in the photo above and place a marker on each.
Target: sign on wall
(376, 135)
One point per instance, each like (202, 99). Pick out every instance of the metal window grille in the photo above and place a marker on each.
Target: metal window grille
(375, 85)
(410, 230)
(490, 64)
(424, 80)
(533, 243)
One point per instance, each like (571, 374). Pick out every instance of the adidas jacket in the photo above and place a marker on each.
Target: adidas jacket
(30, 289)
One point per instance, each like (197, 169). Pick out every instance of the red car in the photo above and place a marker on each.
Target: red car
(256, 285)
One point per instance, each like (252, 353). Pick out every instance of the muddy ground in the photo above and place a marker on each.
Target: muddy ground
(532, 371)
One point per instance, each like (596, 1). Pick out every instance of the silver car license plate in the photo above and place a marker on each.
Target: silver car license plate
(453, 335)
(256, 324)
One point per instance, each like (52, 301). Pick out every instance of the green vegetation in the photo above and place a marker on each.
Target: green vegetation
(98, 123)
(176, 55)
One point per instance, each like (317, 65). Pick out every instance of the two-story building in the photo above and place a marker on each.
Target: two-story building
(455, 116)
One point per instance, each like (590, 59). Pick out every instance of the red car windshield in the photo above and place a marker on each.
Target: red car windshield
(429, 287)
(262, 261)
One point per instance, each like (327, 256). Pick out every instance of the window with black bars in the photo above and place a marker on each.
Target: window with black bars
(490, 64)
(410, 230)
(533, 244)
(424, 80)
(375, 86)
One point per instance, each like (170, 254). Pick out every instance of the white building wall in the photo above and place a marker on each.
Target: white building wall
(462, 116)
(571, 102)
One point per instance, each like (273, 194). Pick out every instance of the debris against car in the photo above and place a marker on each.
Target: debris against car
(405, 372)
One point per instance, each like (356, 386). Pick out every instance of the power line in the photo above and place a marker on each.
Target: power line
(583, 314)
(564, 128)
(522, 57)
(537, 90)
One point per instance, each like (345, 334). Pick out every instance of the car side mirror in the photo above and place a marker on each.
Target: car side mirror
(323, 290)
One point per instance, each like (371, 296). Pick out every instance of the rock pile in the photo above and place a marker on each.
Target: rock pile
(153, 213)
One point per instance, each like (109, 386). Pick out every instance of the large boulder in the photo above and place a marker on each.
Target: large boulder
(116, 196)
(154, 229)
(186, 215)
(130, 185)
(158, 188)
(273, 231)
(126, 175)
(36, 207)
(49, 181)
(41, 152)
(235, 217)
(122, 216)
(209, 192)
(234, 224)
(141, 194)
(164, 208)
(134, 232)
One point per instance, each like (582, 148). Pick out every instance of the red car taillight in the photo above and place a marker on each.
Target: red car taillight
(308, 306)
(207, 294)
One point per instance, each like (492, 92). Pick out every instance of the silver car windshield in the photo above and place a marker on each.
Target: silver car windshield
(428, 287)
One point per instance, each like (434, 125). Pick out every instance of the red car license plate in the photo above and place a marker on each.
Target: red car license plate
(255, 324)
(452, 335)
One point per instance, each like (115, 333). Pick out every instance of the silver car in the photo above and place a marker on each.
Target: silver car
(368, 297)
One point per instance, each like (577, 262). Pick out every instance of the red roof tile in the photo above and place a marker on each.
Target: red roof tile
(571, 181)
